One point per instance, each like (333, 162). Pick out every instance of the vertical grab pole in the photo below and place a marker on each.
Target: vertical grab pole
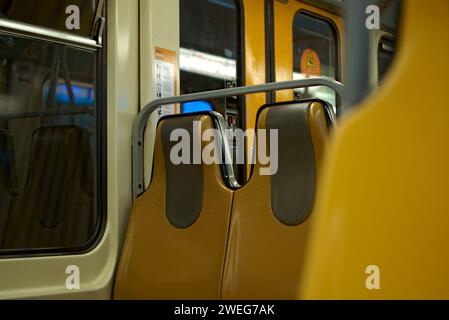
(357, 56)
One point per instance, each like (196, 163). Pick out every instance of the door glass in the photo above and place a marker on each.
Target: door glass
(210, 57)
(315, 53)
(210, 51)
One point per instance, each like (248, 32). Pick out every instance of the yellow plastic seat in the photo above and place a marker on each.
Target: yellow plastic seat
(176, 238)
(271, 215)
(382, 222)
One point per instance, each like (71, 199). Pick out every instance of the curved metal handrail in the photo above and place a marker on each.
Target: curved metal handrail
(145, 113)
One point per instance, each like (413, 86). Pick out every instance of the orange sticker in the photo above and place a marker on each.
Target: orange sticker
(310, 63)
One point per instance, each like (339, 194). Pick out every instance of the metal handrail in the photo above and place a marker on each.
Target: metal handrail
(22, 29)
(142, 118)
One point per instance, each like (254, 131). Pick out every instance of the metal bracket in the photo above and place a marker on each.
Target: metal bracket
(99, 23)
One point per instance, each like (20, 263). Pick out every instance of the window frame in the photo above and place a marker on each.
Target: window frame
(43, 34)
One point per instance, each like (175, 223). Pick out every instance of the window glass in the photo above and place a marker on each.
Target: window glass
(385, 53)
(48, 145)
(210, 55)
(210, 52)
(50, 13)
(315, 53)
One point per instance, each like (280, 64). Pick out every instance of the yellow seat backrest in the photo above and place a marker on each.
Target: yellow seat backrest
(382, 221)
(176, 239)
(271, 215)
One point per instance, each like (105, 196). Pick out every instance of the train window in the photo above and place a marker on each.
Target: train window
(210, 50)
(51, 13)
(49, 117)
(315, 53)
(211, 56)
(385, 54)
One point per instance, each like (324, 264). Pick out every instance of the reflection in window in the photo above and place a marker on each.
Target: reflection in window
(315, 53)
(385, 53)
(83, 94)
(209, 54)
(48, 141)
(50, 13)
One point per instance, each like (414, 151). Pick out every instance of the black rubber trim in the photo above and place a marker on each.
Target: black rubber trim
(241, 81)
(270, 65)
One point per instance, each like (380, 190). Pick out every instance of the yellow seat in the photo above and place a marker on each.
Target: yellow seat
(382, 222)
(271, 214)
(176, 238)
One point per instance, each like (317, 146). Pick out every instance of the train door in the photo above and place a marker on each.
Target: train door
(307, 42)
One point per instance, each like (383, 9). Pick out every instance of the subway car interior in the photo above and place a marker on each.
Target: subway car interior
(224, 149)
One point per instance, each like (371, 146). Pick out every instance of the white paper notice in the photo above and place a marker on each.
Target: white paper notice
(165, 85)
